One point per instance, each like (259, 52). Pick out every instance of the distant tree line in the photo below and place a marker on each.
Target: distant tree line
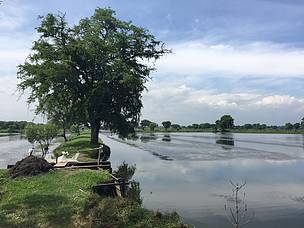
(225, 123)
(12, 126)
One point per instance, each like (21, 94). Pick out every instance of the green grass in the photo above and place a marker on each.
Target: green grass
(63, 198)
(55, 199)
(121, 213)
(81, 144)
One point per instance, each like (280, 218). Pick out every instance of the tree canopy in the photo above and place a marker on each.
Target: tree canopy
(41, 133)
(97, 67)
(152, 126)
(145, 123)
(225, 122)
(166, 124)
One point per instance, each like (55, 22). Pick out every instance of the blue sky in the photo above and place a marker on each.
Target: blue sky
(239, 57)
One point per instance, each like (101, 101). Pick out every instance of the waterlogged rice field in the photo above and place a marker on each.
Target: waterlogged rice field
(190, 173)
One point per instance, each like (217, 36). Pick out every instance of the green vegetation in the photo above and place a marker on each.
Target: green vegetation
(55, 199)
(42, 134)
(152, 126)
(12, 126)
(64, 198)
(122, 213)
(96, 69)
(79, 144)
(226, 123)
(166, 125)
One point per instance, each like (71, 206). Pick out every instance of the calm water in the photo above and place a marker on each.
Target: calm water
(190, 173)
(12, 149)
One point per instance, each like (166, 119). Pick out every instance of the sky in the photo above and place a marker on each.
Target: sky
(238, 57)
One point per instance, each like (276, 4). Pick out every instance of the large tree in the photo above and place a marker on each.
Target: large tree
(102, 63)
(225, 122)
(166, 124)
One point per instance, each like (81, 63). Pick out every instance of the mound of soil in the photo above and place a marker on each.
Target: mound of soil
(30, 166)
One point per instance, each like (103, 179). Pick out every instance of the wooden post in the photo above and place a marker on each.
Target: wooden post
(99, 153)
(122, 187)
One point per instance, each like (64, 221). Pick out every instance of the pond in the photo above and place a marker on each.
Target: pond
(191, 172)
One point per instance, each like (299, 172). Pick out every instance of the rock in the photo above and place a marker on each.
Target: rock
(30, 166)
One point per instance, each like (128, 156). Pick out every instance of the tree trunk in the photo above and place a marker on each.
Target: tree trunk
(63, 135)
(95, 127)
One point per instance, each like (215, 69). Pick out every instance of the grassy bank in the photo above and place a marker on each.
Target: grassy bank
(79, 144)
(55, 199)
(64, 198)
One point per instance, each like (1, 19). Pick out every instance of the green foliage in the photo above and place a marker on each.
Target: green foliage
(297, 126)
(41, 133)
(152, 126)
(81, 144)
(98, 67)
(12, 126)
(288, 126)
(176, 126)
(125, 171)
(134, 192)
(166, 124)
(145, 123)
(122, 213)
(54, 199)
(75, 129)
(31, 133)
(225, 122)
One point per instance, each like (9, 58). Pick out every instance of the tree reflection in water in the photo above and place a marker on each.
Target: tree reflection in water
(226, 140)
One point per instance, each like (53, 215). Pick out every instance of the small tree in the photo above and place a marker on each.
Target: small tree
(42, 134)
(302, 123)
(145, 123)
(166, 124)
(152, 126)
(225, 122)
(288, 126)
(297, 126)
(31, 133)
(176, 126)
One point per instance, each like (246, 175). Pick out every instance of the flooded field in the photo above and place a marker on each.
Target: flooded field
(12, 149)
(190, 173)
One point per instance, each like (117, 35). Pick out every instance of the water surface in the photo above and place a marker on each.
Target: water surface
(12, 149)
(190, 173)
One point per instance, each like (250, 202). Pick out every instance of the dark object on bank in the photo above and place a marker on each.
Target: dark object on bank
(106, 152)
(113, 188)
(30, 166)
(102, 153)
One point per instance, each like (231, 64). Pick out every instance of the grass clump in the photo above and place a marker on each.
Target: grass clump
(55, 199)
(123, 213)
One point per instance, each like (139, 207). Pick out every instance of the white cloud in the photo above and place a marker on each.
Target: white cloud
(184, 104)
(257, 59)
(277, 100)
